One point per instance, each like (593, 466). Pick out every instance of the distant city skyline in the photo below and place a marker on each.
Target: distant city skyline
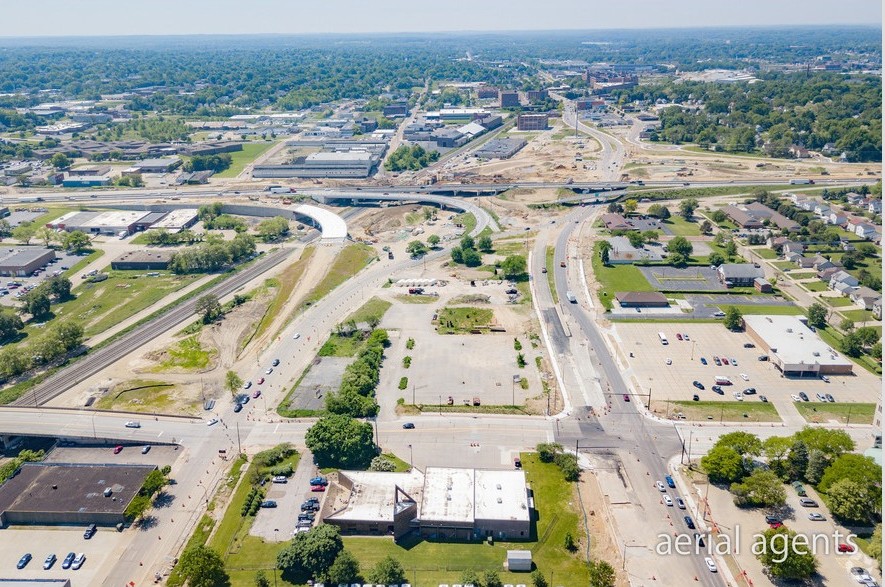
(186, 17)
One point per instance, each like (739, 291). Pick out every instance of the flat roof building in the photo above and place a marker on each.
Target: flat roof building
(142, 261)
(163, 165)
(343, 164)
(112, 223)
(443, 503)
(177, 220)
(22, 261)
(87, 181)
(794, 348)
(509, 98)
(500, 149)
(63, 493)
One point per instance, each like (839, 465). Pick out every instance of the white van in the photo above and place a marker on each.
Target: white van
(723, 380)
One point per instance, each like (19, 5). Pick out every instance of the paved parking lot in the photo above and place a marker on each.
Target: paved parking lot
(833, 566)
(278, 523)
(324, 376)
(687, 279)
(102, 552)
(158, 455)
(649, 370)
(63, 259)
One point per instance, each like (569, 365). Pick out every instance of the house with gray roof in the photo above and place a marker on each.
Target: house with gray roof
(739, 274)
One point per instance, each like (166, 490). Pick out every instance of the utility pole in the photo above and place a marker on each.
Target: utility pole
(239, 446)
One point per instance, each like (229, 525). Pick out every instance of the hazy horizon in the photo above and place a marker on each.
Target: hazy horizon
(106, 18)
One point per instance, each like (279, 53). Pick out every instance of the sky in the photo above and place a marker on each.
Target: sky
(24, 18)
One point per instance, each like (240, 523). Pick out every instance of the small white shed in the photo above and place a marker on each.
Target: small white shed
(519, 560)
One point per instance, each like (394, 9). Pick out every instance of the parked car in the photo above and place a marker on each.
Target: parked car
(804, 396)
(269, 371)
(316, 488)
(799, 488)
(247, 385)
(698, 384)
(275, 362)
(717, 361)
(711, 566)
(695, 398)
(660, 486)
(749, 345)
(750, 391)
(678, 336)
(724, 360)
(78, 561)
(91, 529)
(744, 376)
(830, 398)
(668, 501)
(689, 522)
(68, 560)
(212, 421)
(50, 560)
(703, 361)
(296, 336)
(256, 394)
(24, 560)
(718, 390)
(821, 397)
(279, 479)
(680, 503)
(260, 381)
(268, 503)
(685, 336)
(699, 539)
(145, 449)
(816, 517)
(669, 361)
(238, 407)
(763, 398)
(734, 361)
(626, 397)
(319, 480)
(118, 449)
(795, 397)
(738, 396)
(843, 547)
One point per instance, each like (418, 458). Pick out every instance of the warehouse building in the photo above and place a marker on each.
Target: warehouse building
(794, 348)
(143, 261)
(61, 493)
(111, 223)
(500, 149)
(442, 503)
(531, 122)
(345, 164)
(87, 181)
(509, 99)
(177, 220)
(22, 261)
(163, 165)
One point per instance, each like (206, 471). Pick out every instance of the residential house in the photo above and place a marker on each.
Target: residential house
(762, 286)
(836, 218)
(854, 198)
(875, 206)
(821, 263)
(799, 152)
(843, 288)
(866, 231)
(792, 247)
(877, 309)
(776, 242)
(616, 222)
(853, 223)
(803, 262)
(739, 274)
(742, 218)
(826, 274)
(843, 277)
(821, 209)
(865, 297)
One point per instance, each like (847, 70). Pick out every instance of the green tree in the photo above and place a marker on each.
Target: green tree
(46, 235)
(851, 345)
(538, 579)
(36, 303)
(467, 242)
(472, 258)
(261, 579)
(273, 229)
(387, 571)
(706, 227)
(153, 483)
(345, 570)
(687, 208)
(734, 320)
(605, 248)
(514, 266)
(723, 464)
(832, 443)
(569, 542)
(850, 502)
(470, 577)
(797, 462)
(76, 241)
(484, 244)
(817, 464)
(630, 206)
(341, 441)
(68, 334)
(12, 362)
(433, 240)
(492, 579)
(602, 574)
(310, 553)
(60, 161)
(209, 306)
(659, 211)
(858, 468)
(718, 216)
(730, 250)
(232, 382)
(457, 255)
(202, 567)
(817, 315)
(777, 450)
(783, 556)
(416, 249)
(680, 245)
(875, 547)
(59, 286)
(744, 443)
(716, 259)
(759, 489)
(24, 232)
(10, 324)
(547, 451)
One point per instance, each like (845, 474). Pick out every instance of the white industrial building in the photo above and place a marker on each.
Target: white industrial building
(794, 348)
(442, 503)
(177, 220)
(112, 222)
(338, 164)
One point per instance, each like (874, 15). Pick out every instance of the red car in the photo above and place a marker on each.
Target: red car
(256, 393)
(317, 487)
(776, 525)
(845, 547)
(678, 336)
(724, 361)
(118, 449)
(260, 380)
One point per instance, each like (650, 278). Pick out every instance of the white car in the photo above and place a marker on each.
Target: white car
(669, 361)
(711, 565)
(825, 379)
(795, 397)
(297, 336)
(738, 396)
(269, 371)
(667, 501)
(78, 562)
(745, 377)
(660, 486)
(860, 574)
(133, 424)
(212, 422)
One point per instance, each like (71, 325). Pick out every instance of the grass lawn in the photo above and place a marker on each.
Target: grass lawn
(839, 302)
(99, 306)
(815, 286)
(784, 265)
(843, 413)
(187, 354)
(348, 263)
(859, 316)
(745, 411)
(375, 309)
(802, 275)
(833, 338)
(83, 262)
(416, 299)
(141, 395)
(615, 278)
(467, 220)
(463, 320)
(679, 226)
(284, 284)
(765, 252)
(548, 264)
(239, 159)
(777, 310)
(339, 345)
